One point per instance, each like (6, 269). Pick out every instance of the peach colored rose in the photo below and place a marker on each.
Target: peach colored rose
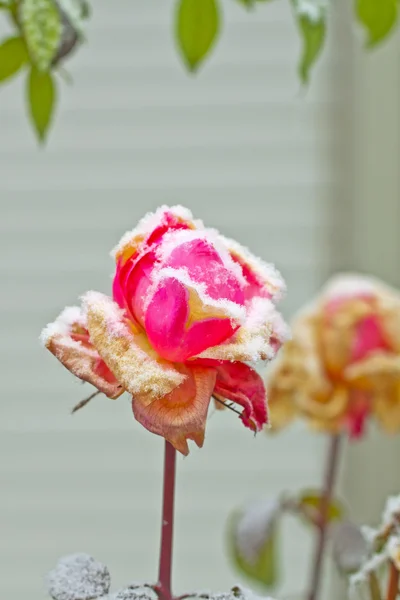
(189, 309)
(343, 362)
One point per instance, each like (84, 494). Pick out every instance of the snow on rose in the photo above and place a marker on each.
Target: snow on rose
(189, 309)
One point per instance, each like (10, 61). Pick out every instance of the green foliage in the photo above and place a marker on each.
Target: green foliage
(309, 503)
(252, 3)
(197, 27)
(261, 565)
(13, 56)
(312, 28)
(41, 24)
(41, 95)
(378, 18)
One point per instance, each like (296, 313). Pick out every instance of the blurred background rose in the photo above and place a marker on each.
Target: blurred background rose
(309, 180)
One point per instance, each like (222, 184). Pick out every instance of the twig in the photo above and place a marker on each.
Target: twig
(330, 477)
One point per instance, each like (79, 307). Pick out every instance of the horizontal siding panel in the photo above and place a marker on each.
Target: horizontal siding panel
(250, 154)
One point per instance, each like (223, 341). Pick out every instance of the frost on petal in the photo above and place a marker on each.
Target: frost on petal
(180, 415)
(259, 338)
(262, 278)
(151, 229)
(78, 577)
(181, 320)
(126, 350)
(68, 339)
(241, 384)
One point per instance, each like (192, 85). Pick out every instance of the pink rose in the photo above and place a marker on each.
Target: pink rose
(189, 309)
(342, 365)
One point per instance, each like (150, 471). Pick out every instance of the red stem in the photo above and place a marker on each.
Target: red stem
(167, 525)
(330, 478)
(393, 584)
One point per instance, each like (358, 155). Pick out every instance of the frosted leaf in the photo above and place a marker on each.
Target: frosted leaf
(313, 10)
(78, 577)
(393, 549)
(370, 535)
(371, 565)
(254, 527)
(350, 548)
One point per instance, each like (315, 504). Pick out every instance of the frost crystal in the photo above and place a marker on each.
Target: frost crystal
(313, 10)
(236, 593)
(392, 510)
(62, 325)
(78, 577)
(133, 592)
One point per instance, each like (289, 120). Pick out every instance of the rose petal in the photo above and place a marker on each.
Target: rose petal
(369, 337)
(358, 411)
(126, 350)
(151, 230)
(204, 265)
(259, 338)
(238, 382)
(262, 278)
(180, 324)
(68, 339)
(181, 414)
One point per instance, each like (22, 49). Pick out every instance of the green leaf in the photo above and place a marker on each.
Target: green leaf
(197, 28)
(252, 541)
(42, 29)
(378, 18)
(313, 34)
(309, 503)
(13, 55)
(41, 101)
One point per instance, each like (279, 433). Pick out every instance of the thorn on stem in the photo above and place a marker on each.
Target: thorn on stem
(85, 401)
(230, 406)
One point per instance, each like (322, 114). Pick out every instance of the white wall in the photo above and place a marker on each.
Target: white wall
(251, 155)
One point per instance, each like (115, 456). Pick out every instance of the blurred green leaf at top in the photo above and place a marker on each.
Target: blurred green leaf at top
(41, 97)
(311, 21)
(41, 24)
(378, 18)
(197, 27)
(13, 56)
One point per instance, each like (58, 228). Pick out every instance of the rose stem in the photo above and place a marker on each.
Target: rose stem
(393, 585)
(167, 524)
(323, 519)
